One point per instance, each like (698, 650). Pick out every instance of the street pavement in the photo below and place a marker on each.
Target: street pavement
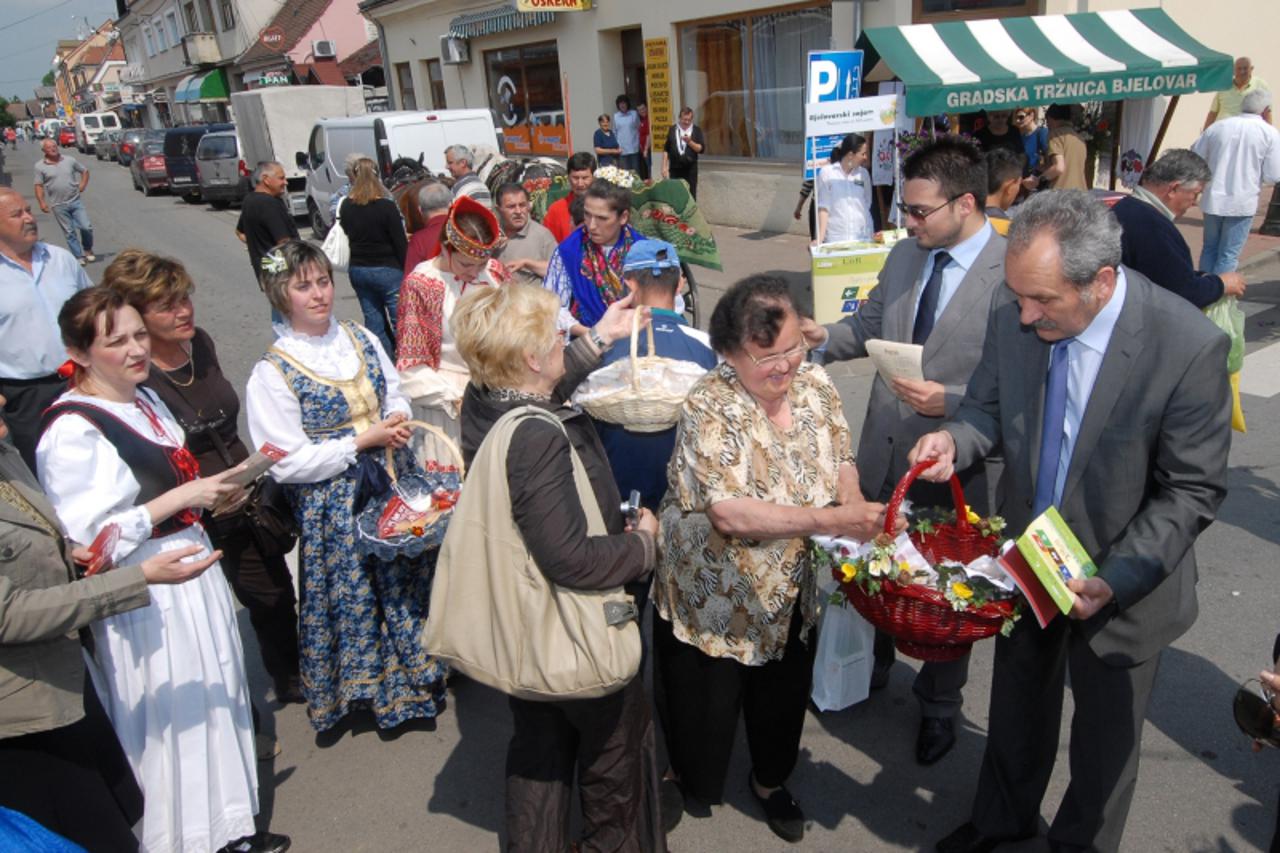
(1201, 788)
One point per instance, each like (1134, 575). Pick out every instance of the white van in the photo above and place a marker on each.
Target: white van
(89, 126)
(386, 137)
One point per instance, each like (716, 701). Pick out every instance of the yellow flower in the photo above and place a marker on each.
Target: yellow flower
(973, 517)
(962, 590)
(848, 572)
(904, 567)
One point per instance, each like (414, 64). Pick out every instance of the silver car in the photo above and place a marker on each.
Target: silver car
(221, 170)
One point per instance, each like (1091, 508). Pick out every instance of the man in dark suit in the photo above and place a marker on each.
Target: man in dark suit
(1109, 396)
(935, 290)
(1152, 244)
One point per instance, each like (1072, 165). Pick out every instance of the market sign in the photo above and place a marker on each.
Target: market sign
(657, 75)
(552, 5)
(966, 66)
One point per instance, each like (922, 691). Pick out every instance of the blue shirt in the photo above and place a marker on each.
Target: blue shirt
(639, 460)
(1036, 144)
(605, 139)
(626, 127)
(1084, 360)
(963, 254)
(30, 343)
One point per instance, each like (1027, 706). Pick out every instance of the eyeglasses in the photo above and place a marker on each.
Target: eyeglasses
(770, 361)
(917, 212)
(1255, 714)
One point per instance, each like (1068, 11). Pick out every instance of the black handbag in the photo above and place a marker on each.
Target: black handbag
(267, 512)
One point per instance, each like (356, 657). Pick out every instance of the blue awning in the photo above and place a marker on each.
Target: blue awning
(499, 19)
(186, 89)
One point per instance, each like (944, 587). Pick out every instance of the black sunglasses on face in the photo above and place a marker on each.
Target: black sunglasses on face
(1254, 713)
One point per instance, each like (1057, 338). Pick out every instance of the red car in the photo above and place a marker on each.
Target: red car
(147, 167)
(66, 137)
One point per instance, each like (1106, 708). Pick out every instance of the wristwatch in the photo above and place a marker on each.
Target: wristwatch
(597, 340)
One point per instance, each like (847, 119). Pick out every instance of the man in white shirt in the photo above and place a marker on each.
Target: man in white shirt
(1244, 153)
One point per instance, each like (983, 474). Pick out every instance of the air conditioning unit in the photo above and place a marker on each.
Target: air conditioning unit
(454, 50)
(324, 49)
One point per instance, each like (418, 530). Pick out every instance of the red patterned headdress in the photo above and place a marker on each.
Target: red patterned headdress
(454, 237)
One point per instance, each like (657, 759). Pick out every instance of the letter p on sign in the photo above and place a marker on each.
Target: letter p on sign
(824, 77)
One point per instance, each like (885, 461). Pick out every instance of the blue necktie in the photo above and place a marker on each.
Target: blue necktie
(1052, 427)
(929, 300)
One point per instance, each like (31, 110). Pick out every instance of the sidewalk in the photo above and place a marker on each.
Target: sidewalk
(745, 252)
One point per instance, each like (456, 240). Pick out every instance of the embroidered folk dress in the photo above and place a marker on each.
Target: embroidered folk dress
(731, 597)
(170, 675)
(433, 374)
(361, 617)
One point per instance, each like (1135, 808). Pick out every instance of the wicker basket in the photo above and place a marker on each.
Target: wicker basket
(639, 406)
(412, 545)
(922, 622)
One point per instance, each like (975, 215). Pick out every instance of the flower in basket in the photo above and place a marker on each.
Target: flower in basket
(614, 175)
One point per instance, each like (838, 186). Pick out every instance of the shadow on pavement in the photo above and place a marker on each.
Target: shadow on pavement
(470, 786)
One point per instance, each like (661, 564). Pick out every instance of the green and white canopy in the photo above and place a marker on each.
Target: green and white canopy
(966, 66)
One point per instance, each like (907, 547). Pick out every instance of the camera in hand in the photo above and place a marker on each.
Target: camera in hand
(631, 507)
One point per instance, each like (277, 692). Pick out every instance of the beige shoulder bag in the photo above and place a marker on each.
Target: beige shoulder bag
(497, 618)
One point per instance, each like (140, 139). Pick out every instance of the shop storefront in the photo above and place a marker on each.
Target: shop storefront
(525, 94)
(204, 97)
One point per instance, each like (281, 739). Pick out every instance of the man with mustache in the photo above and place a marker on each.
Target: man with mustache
(36, 278)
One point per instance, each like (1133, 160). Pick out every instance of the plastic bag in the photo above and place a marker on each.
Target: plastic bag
(1227, 315)
(843, 661)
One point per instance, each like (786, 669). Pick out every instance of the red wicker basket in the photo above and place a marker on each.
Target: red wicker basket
(922, 622)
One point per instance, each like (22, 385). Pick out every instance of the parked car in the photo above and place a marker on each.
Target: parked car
(180, 158)
(107, 145)
(220, 169)
(66, 137)
(90, 126)
(129, 140)
(148, 167)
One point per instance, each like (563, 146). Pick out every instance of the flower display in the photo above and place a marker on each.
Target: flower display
(617, 176)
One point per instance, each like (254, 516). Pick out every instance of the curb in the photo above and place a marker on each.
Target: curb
(1261, 258)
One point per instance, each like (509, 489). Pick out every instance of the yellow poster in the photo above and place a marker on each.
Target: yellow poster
(657, 73)
(552, 5)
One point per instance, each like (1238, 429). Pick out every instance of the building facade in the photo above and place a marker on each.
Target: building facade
(739, 64)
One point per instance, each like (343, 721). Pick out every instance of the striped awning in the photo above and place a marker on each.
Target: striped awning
(966, 66)
(499, 19)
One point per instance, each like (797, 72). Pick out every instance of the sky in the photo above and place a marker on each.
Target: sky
(26, 46)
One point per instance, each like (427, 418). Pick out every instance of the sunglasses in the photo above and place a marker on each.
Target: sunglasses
(922, 213)
(1254, 713)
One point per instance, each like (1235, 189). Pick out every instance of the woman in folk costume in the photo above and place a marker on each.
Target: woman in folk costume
(432, 373)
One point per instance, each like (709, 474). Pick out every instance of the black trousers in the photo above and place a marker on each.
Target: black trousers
(610, 744)
(690, 174)
(700, 698)
(1027, 684)
(75, 781)
(25, 402)
(265, 588)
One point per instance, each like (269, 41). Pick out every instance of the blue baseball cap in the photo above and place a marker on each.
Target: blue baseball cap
(651, 255)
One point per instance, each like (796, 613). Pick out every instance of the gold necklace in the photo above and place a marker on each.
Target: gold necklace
(191, 363)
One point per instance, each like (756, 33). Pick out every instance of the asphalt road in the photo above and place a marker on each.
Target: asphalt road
(1200, 788)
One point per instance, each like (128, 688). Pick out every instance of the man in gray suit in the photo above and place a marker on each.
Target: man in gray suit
(935, 290)
(1109, 396)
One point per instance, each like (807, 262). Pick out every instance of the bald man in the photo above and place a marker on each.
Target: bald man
(36, 278)
(1227, 102)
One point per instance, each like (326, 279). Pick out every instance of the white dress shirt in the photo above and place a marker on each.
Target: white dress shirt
(1244, 152)
(30, 343)
(846, 196)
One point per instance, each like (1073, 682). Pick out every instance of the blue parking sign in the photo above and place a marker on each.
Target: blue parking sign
(834, 75)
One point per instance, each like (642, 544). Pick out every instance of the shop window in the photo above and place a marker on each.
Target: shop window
(404, 81)
(744, 79)
(435, 78)
(525, 95)
(935, 11)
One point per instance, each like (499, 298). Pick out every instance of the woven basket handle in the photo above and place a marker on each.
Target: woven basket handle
(900, 492)
(438, 433)
(635, 339)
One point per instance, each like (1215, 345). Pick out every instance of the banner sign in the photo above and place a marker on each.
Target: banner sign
(927, 100)
(657, 74)
(834, 80)
(552, 5)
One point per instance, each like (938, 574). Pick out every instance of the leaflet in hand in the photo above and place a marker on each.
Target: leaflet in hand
(103, 546)
(897, 361)
(1046, 556)
(257, 464)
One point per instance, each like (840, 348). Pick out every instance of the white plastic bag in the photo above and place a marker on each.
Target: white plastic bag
(842, 667)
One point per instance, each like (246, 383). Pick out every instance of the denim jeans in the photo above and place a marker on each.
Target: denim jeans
(73, 219)
(1224, 237)
(378, 289)
(630, 162)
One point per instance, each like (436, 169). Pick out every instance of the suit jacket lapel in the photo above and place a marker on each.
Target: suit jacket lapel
(1122, 352)
(970, 296)
(900, 319)
(1034, 352)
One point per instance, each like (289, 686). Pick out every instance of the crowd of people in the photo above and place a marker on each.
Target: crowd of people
(1064, 356)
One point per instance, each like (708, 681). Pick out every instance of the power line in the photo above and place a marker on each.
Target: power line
(4, 27)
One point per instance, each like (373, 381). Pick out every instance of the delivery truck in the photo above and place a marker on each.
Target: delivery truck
(276, 121)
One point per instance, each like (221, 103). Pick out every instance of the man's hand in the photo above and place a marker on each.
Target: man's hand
(170, 567)
(616, 321)
(927, 398)
(939, 446)
(1092, 594)
(814, 334)
(1233, 284)
(44, 207)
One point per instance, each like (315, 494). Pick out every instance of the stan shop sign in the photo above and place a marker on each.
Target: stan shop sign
(1083, 90)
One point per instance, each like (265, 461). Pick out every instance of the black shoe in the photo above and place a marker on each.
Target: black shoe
(289, 691)
(880, 675)
(968, 839)
(781, 811)
(259, 842)
(937, 736)
(671, 800)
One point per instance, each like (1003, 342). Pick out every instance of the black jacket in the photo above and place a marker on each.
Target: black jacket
(544, 498)
(1152, 245)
